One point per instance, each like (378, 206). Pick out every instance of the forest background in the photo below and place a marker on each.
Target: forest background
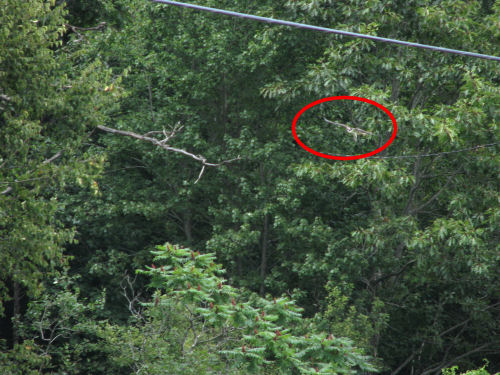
(381, 264)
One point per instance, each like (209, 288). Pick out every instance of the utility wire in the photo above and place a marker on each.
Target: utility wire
(355, 35)
(328, 30)
(436, 153)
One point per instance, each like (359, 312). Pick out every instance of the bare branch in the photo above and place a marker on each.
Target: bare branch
(6, 191)
(162, 144)
(133, 298)
(52, 158)
(201, 174)
(442, 364)
(402, 365)
(434, 197)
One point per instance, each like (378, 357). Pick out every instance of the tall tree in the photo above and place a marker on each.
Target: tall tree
(47, 111)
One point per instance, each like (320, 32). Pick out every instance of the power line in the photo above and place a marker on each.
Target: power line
(328, 30)
(355, 35)
(436, 153)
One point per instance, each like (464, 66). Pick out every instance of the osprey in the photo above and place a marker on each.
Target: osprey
(354, 131)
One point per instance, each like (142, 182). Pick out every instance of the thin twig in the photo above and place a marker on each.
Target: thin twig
(434, 197)
(133, 298)
(46, 161)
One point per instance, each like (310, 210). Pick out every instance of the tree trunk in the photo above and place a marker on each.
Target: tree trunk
(263, 257)
(16, 300)
(188, 226)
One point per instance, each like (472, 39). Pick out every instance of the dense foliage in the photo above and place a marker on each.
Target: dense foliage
(126, 124)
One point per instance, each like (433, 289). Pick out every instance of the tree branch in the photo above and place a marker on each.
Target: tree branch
(434, 197)
(413, 189)
(165, 146)
(133, 298)
(6, 191)
(77, 29)
(46, 161)
(397, 273)
(450, 362)
(52, 158)
(402, 365)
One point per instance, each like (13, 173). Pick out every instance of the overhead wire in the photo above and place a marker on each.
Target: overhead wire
(436, 153)
(327, 30)
(355, 35)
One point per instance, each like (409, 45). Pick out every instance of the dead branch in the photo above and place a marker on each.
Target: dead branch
(53, 157)
(163, 144)
(6, 191)
(132, 297)
(444, 364)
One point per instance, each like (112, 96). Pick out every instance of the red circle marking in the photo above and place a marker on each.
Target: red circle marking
(353, 157)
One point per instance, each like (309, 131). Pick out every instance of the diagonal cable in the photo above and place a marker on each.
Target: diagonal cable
(436, 153)
(328, 30)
